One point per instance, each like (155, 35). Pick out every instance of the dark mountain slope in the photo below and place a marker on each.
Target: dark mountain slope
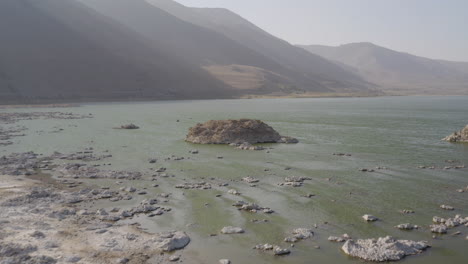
(194, 43)
(233, 26)
(62, 50)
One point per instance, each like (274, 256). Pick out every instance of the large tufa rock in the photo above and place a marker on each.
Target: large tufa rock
(383, 249)
(459, 136)
(235, 131)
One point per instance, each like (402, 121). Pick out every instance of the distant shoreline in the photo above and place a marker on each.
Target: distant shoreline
(78, 103)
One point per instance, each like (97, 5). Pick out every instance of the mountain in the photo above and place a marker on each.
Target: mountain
(198, 45)
(307, 70)
(398, 72)
(54, 50)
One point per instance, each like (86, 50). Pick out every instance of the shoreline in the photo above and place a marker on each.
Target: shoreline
(78, 103)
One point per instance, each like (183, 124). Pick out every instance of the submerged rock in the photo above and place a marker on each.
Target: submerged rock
(248, 146)
(129, 126)
(249, 179)
(235, 131)
(459, 136)
(407, 226)
(383, 249)
(252, 207)
(370, 218)
(447, 207)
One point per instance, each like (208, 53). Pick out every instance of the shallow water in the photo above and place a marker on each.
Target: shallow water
(399, 133)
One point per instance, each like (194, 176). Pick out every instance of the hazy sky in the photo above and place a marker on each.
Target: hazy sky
(431, 28)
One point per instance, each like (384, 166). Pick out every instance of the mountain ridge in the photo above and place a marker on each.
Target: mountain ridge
(397, 71)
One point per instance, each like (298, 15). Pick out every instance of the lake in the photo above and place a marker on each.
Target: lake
(397, 133)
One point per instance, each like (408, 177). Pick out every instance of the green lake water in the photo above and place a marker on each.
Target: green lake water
(399, 133)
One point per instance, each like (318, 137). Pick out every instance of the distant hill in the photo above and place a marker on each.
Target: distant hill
(310, 72)
(55, 50)
(398, 72)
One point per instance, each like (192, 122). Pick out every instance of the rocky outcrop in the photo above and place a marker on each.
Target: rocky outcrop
(383, 249)
(459, 136)
(235, 131)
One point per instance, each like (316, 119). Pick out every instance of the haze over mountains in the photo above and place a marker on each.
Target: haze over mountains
(95, 50)
(398, 72)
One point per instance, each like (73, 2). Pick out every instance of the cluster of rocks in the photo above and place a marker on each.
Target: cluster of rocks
(86, 155)
(252, 207)
(277, 250)
(10, 118)
(174, 158)
(458, 136)
(21, 163)
(79, 170)
(196, 185)
(7, 133)
(372, 169)
(15, 253)
(57, 222)
(145, 207)
(89, 194)
(455, 167)
(241, 133)
(294, 181)
(299, 234)
(442, 225)
(246, 146)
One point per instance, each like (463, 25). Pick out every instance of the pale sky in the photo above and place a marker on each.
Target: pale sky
(431, 28)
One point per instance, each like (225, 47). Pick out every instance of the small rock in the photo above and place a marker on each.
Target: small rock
(447, 207)
(234, 192)
(281, 251)
(232, 230)
(370, 218)
(224, 261)
(407, 226)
